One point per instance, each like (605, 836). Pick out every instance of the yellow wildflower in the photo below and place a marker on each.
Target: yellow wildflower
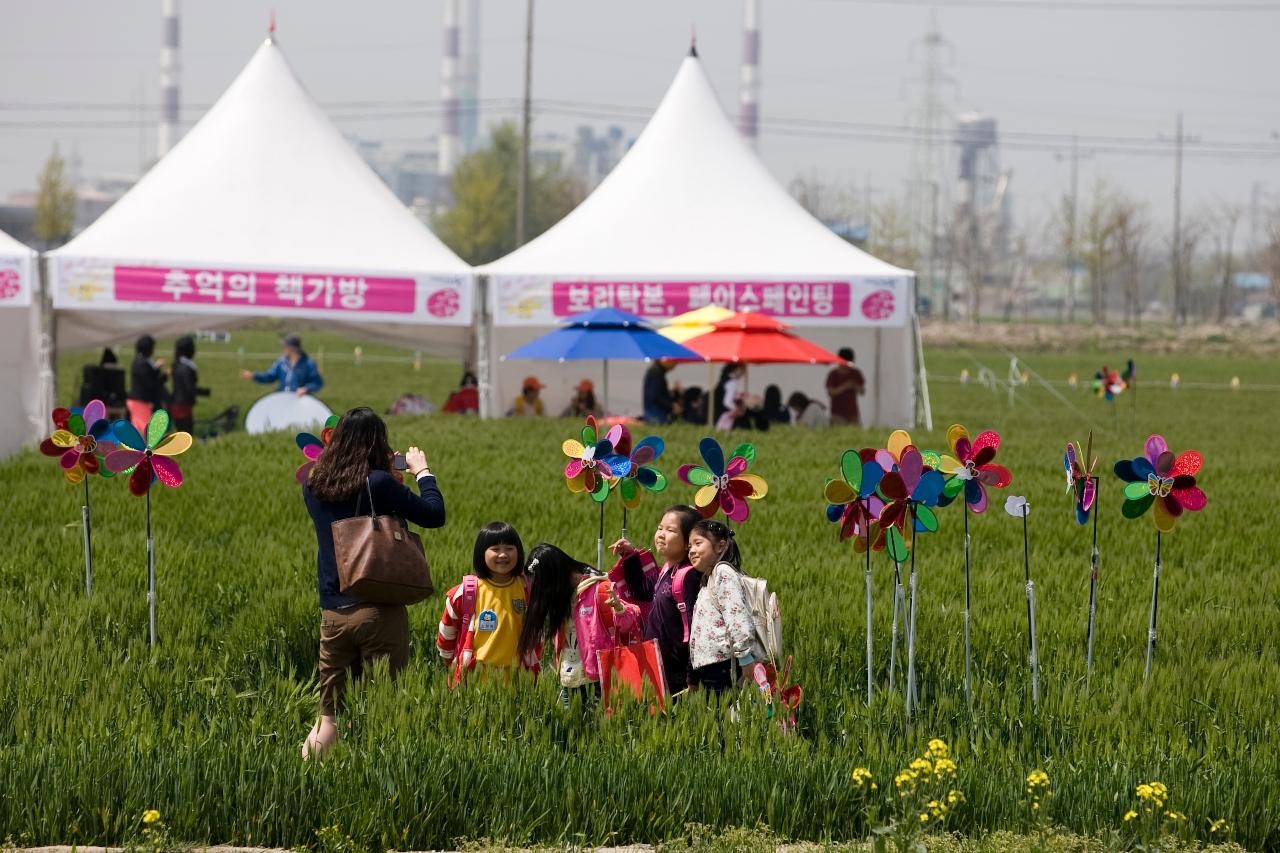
(861, 776)
(938, 748)
(1037, 779)
(1145, 792)
(1130, 815)
(944, 766)
(1175, 816)
(955, 797)
(1219, 825)
(924, 817)
(150, 816)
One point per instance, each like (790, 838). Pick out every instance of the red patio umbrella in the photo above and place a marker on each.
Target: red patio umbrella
(751, 338)
(757, 339)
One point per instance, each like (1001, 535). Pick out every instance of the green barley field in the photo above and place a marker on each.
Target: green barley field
(95, 726)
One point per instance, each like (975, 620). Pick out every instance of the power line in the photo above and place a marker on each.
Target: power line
(1081, 5)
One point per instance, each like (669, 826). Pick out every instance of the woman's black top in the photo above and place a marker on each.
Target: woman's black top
(146, 381)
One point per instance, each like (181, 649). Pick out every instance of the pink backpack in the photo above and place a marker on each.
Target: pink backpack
(677, 592)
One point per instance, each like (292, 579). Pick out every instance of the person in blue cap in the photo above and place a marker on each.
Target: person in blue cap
(292, 371)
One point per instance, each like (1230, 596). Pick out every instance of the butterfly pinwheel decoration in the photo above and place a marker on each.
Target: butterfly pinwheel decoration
(724, 486)
(1159, 478)
(909, 488)
(1080, 479)
(147, 460)
(593, 462)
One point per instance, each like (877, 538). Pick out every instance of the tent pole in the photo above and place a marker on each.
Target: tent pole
(879, 417)
(484, 366)
(922, 376)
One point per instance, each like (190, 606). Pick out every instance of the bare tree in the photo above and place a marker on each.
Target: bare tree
(1131, 227)
(1225, 220)
(889, 234)
(1097, 248)
(1271, 253)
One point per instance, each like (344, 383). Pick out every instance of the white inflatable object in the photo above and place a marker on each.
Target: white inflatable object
(286, 410)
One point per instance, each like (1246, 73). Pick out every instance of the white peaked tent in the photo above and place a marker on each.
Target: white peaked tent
(23, 380)
(692, 217)
(262, 210)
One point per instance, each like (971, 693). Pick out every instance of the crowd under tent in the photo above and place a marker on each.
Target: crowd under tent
(691, 217)
(262, 210)
(24, 380)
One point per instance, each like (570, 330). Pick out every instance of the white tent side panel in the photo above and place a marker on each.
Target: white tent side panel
(24, 419)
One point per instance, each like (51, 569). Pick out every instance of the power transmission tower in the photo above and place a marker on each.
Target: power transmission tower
(522, 183)
(928, 188)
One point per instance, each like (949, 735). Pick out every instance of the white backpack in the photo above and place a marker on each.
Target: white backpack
(766, 618)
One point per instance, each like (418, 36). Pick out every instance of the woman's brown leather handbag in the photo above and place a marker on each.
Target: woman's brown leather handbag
(379, 559)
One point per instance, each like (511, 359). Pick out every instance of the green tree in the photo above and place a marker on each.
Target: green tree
(481, 224)
(55, 213)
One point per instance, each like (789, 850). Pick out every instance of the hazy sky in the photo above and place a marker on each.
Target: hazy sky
(1059, 68)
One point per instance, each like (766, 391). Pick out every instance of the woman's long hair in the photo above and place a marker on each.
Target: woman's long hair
(721, 532)
(359, 447)
(551, 596)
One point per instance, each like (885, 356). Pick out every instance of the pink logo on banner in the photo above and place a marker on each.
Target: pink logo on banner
(444, 303)
(285, 290)
(9, 284)
(878, 305)
(800, 299)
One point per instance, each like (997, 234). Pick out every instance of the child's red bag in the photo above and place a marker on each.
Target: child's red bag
(626, 667)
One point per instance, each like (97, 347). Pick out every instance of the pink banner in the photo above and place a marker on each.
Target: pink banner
(663, 299)
(284, 290)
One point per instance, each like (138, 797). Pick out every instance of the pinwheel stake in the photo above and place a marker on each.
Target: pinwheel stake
(899, 604)
(642, 474)
(80, 440)
(1169, 483)
(971, 470)
(912, 699)
(850, 503)
(1017, 506)
(1082, 485)
(146, 461)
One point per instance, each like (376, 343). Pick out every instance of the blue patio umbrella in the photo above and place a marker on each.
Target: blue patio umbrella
(603, 334)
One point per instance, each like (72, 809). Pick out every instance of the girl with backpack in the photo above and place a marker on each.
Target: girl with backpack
(722, 633)
(484, 614)
(578, 608)
(666, 594)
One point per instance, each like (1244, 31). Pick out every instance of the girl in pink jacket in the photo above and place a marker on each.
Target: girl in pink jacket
(577, 608)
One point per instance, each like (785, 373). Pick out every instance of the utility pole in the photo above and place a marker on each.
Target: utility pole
(522, 186)
(1179, 298)
(1071, 230)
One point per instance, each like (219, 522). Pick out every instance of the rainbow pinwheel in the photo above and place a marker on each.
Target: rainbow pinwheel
(1080, 479)
(1159, 478)
(970, 469)
(1109, 384)
(593, 462)
(80, 440)
(724, 486)
(641, 474)
(312, 447)
(148, 460)
(852, 500)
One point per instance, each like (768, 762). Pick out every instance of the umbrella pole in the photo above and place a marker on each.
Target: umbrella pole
(711, 395)
(605, 404)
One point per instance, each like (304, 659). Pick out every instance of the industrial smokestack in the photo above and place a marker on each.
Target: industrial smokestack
(450, 71)
(469, 90)
(169, 68)
(749, 97)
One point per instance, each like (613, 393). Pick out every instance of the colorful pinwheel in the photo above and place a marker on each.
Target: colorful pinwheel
(1160, 478)
(312, 447)
(1080, 479)
(852, 500)
(971, 469)
(592, 461)
(909, 487)
(1109, 384)
(148, 460)
(80, 440)
(724, 486)
(641, 474)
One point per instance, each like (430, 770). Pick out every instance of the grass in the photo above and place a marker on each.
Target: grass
(95, 727)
